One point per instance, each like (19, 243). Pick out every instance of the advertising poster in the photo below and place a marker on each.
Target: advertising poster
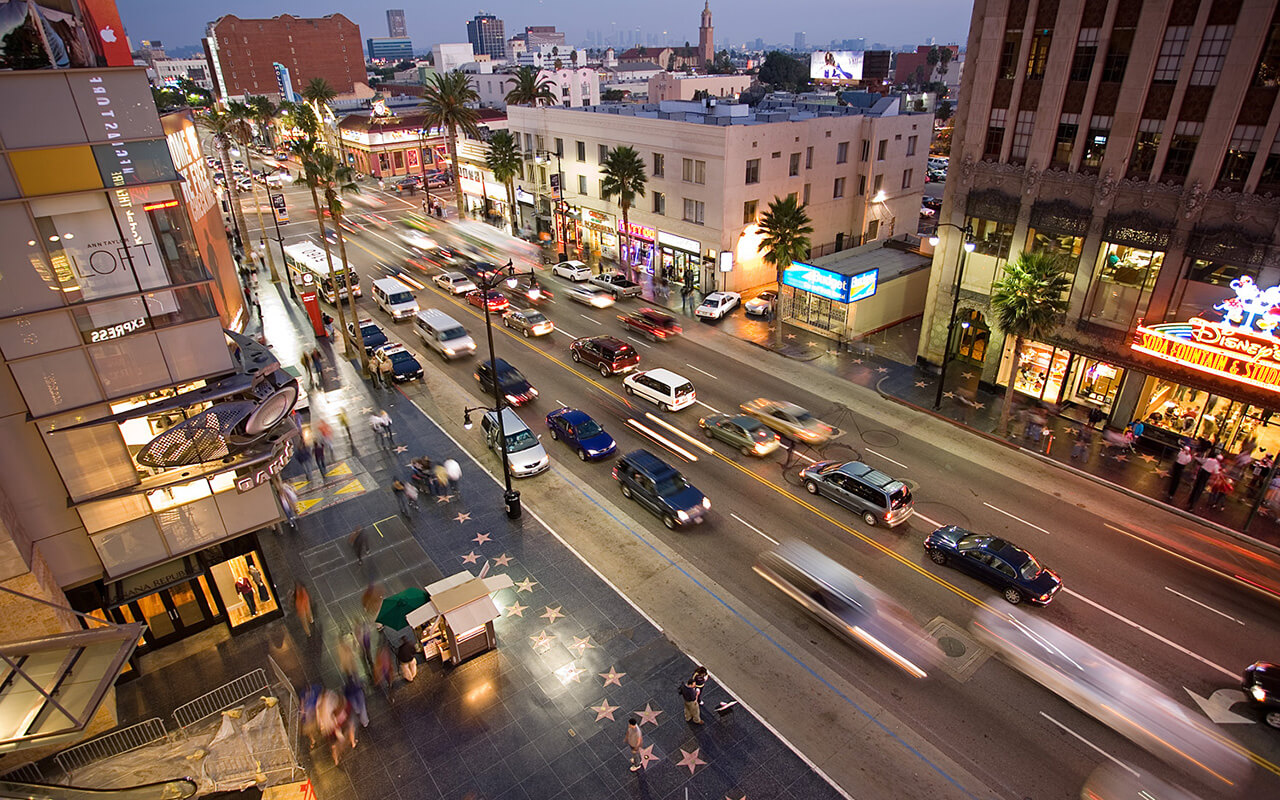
(835, 65)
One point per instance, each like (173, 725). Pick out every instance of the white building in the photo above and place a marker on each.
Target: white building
(448, 57)
(575, 88)
(713, 169)
(547, 55)
(170, 70)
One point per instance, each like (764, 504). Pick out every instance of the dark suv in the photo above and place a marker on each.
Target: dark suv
(515, 386)
(608, 354)
(659, 487)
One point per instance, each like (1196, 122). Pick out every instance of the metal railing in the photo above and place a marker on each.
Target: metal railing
(220, 699)
(27, 773)
(113, 744)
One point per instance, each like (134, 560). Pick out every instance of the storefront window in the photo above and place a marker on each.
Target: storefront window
(991, 240)
(1041, 370)
(1096, 382)
(244, 589)
(1218, 273)
(1123, 282)
(973, 337)
(811, 309)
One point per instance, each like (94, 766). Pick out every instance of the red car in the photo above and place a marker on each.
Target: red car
(651, 323)
(496, 300)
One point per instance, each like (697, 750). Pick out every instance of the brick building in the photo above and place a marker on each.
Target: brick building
(241, 54)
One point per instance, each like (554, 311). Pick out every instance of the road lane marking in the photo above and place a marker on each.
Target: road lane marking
(1271, 594)
(713, 409)
(703, 371)
(662, 440)
(1019, 519)
(589, 319)
(1202, 605)
(566, 333)
(1229, 673)
(649, 415)
(562, 405)
(642, 344)
(1099, 750)
(926, 519)
(754, 528)
(886, 458)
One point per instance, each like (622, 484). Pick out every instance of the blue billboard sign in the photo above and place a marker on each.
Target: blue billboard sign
(831, 285)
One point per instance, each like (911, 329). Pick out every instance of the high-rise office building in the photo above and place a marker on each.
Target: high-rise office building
(799, 42)
(487, 36)
(396, 28)
(389, 49)
(242, 52)
(1139, 145)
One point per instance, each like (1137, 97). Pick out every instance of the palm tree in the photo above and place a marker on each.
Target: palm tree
(624, 179)
(303, 117)
(318, 93)
(785, 233)
(503, 159)
(445, 105)
(1026, 303)
(243, 133)
(223, 127)
(264, 114)
(527, 90)
(324, 174)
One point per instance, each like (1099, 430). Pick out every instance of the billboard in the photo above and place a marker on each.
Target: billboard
(835, 65)
(831, 285)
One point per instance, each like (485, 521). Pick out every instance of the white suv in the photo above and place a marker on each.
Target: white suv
(663, 387)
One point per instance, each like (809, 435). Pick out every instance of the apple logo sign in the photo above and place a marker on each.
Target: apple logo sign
(107, 34)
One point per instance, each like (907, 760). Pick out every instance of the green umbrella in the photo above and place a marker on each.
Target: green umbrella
(397, 606)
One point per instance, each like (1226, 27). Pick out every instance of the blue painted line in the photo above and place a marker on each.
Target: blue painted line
(570, 479)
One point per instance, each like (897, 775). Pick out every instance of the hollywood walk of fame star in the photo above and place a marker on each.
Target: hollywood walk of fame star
(1163, 473)
(966, 375)
(481, 538)
(791, 336)
(516, 610)
(612, 676)
(543, 639)
(690, 759)
(570, 672)
(649, 715)
(646, 755)
(401, 449)
(811, 344)
(856, 360)
(922, 384)
(604, 711)
(979, 405)
(1150, 459)
(470, 558)
(1121, 457)
(444, 498)
(366, 410)
(582, 645)
(551, 614)
(882, 369)
(526, 585)
(502, 560)
(727, 797)
(949, 395)
(462, 517)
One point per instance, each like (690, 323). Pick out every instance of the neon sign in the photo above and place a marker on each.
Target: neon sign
(831, 285)
(268, 470)
(1217, 348)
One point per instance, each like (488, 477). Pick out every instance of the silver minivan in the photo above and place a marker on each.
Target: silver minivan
(443, 333)
(525, 454)
(395, 298)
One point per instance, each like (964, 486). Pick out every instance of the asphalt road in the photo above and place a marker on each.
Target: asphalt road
(1183, 626)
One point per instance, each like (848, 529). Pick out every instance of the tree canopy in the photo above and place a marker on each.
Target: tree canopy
(784, 72)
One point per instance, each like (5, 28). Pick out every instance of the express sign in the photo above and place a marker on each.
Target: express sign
(1216, 348)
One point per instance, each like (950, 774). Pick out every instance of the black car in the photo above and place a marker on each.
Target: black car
(659, 487)
(515, 387)
(1261, 687)
(370, 334)
(1007, 567)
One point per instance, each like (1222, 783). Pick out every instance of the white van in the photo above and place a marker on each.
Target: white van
(395, 298)
(662, 386)
(443, 333)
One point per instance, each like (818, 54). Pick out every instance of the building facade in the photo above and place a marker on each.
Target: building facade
(706, 37)
(390, 49)
(712, 170)
(171, 70)
(574, 88)
(674, 86)
(242, 52)
(396, 27)
(1139, 143)
(451, 56)
(486, 34)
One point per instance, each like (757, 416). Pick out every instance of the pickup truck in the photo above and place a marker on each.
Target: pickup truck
(617, 284)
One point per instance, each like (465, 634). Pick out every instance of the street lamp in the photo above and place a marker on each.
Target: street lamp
(422, 165)
(510, 497)
(967, 248)
(539, 157)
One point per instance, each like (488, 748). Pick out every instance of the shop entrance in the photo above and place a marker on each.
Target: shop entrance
(172, 613)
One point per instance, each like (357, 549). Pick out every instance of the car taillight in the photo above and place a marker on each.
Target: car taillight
(615, 473)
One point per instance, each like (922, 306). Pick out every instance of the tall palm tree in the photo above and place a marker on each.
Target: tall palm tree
(223, 127)
(624, 179)
(318, 93)
(527, 90)
(243, 133)
(325, 175)
(264, 115)
(445, 105)
(785, 233)
(503, 159)
(303, 117)
(1026, 302)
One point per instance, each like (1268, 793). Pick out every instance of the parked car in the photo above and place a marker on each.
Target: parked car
(404, 367)
(992, 560)
(790, 420)
(439, 179)
(514, 386)
(859, 488)
(578, 430)
(717, 304)
(1261, 687)
(761, 304)
(572, 270)
(651, 323)
(528, 321)
(369, 333)
(494, 298)
(932, 202)
(748, 434)
(455, 283)
(662, 387)
(608, 354)
(617, 284)
(659, 487)
(927, 213)
(525, 454)
(596, 298)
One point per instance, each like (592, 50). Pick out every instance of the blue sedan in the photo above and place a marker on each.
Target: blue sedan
(990, 559)
(582, 433)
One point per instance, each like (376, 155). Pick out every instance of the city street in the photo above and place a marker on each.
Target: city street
(1186, 628)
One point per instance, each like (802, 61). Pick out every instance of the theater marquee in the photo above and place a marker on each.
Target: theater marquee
(1216, 348)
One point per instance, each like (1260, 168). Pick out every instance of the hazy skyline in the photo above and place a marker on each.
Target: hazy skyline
(736, 21)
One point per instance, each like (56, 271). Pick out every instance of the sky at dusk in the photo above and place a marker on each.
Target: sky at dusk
(182, 22)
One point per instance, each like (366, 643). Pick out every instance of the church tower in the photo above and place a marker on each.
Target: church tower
(706, 45)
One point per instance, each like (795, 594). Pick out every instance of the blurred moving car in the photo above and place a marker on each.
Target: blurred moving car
(572, 270)
(1120, 781)
(659, 487)
(1113, 693)
(790, 420)
(370, 334)
(761, 304)
(861, 489)
(455, 283)
(716, 305)
(578, 430)
(1261, 686)
(852, 608)
(994, 561)
(588, 296)
(651, 323)
(514, 386)
(748, 434)
(494, 298)
(608, 354)
(528, 321)
(404, 366)
(531, 292)
(617, 284)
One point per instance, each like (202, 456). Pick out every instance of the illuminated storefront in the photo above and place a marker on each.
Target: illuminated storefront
(1056, 375)
(823, 299)
(387, 147)
(641, 244)
(597, 231)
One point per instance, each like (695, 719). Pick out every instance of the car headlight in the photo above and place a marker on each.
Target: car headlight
(448, 351)
(683, 516)
(1258, 693)
(706, 502)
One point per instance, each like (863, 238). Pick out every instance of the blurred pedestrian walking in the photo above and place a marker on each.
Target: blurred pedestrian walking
(359, 544)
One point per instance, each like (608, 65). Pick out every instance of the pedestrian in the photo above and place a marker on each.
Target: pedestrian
(255, 575)
(346, 426)
(353, 690)
(442, 480)
(634, 739)
(311, 376)
(424, 208)
(407, 655)
(1211, 465)
(386, 374)
(317, 365)
(700, 677)
(289, 502)
(304, 458)
(397, 488)
(246, 589)
(327, 322)
(454, 473)
(1095, 416)
(382, 187)
(386, 428)
(686, 298)
(1080, 449)
(1220, 485)
(302, 606)
(378, 424)
(384, 669)
(307, 709)
(689, 693)
(359, 543)
(371, 599)
(317, 451)
(411, 495)
(1180, 463)
(347, 656)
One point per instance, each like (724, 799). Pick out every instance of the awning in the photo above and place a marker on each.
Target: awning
(397, 606)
